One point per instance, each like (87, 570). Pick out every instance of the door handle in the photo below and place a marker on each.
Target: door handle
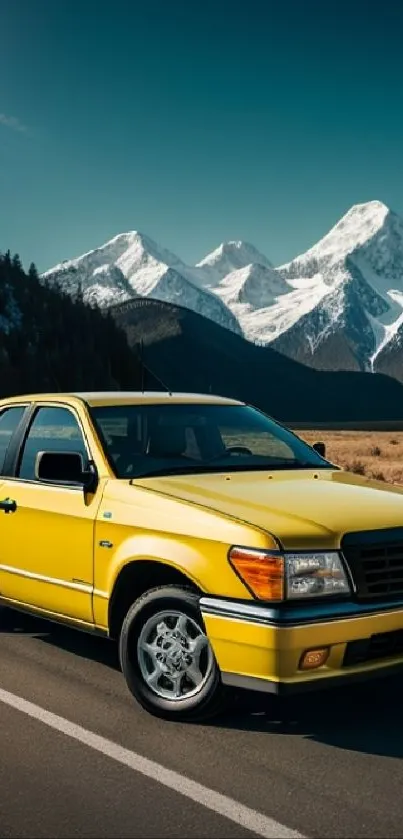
(8, 505)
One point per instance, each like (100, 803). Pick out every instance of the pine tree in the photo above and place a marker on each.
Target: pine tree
(16, 263)
(33, 273)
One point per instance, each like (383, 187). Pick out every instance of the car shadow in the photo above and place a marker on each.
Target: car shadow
(365, 718)
(70, 640)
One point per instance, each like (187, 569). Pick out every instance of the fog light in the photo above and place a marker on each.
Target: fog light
(311, 659)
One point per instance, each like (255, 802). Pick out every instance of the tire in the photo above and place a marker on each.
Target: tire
(195, 700)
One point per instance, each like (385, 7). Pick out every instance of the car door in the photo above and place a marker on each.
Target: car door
(48, 536)
(10, 421)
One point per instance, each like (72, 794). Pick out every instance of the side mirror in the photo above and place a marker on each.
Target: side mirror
(320, 448)
(65, 468)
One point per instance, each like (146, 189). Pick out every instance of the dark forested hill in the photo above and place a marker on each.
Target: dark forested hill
(190, 352)
(49, 341)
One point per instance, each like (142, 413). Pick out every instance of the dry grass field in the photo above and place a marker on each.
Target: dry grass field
(377, 454)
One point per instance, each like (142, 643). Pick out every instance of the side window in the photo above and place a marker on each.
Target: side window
(54, 430)
(9, 420)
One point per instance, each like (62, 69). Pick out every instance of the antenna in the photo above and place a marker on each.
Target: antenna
(145, 367)
(142, 364)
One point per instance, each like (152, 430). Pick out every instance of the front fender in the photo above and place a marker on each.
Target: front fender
(205, 563)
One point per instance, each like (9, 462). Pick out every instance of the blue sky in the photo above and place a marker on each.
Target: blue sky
(195, 121)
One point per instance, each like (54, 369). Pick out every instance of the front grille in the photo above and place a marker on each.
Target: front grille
(375, 560)
(383, 645)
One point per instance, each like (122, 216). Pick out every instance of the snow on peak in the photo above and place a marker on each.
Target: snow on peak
(360, 224)
(230, 256)
(254, 285)
(132, 247)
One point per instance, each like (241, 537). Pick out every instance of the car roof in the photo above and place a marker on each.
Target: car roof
(122, 397)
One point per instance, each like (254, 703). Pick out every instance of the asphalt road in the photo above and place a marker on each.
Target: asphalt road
(72, 762)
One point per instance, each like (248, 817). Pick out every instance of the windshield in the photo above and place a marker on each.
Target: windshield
(146, 440)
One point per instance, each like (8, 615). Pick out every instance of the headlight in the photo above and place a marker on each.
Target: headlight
(315, 574)
(272, 575)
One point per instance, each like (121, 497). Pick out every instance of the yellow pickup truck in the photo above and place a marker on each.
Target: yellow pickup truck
(211, 542)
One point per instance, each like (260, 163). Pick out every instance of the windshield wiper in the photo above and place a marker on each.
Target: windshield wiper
(182, 470)
(207, 468)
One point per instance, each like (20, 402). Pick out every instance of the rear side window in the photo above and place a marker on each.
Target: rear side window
(9, 420)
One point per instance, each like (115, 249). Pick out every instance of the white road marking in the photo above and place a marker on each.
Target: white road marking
(250, 819)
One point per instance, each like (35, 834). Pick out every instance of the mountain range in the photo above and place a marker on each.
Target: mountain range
(338, 306)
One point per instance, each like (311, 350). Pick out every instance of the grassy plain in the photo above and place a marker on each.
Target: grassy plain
(377, 454)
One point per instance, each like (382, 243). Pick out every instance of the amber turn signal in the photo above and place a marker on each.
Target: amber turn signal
(311, 659)
(262, 573)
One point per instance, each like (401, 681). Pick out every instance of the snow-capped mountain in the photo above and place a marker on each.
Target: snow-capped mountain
(356, 274)
(339, 305)
(251, 292)
(132, 265)
(229, 257)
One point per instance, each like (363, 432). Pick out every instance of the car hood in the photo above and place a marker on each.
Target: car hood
(302, 508)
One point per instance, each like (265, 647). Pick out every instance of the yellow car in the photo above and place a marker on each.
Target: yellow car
(212, 543)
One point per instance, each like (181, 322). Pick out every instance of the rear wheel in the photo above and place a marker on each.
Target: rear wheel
(166, 657)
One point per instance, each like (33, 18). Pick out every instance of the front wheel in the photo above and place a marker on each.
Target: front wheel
(166, 657)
